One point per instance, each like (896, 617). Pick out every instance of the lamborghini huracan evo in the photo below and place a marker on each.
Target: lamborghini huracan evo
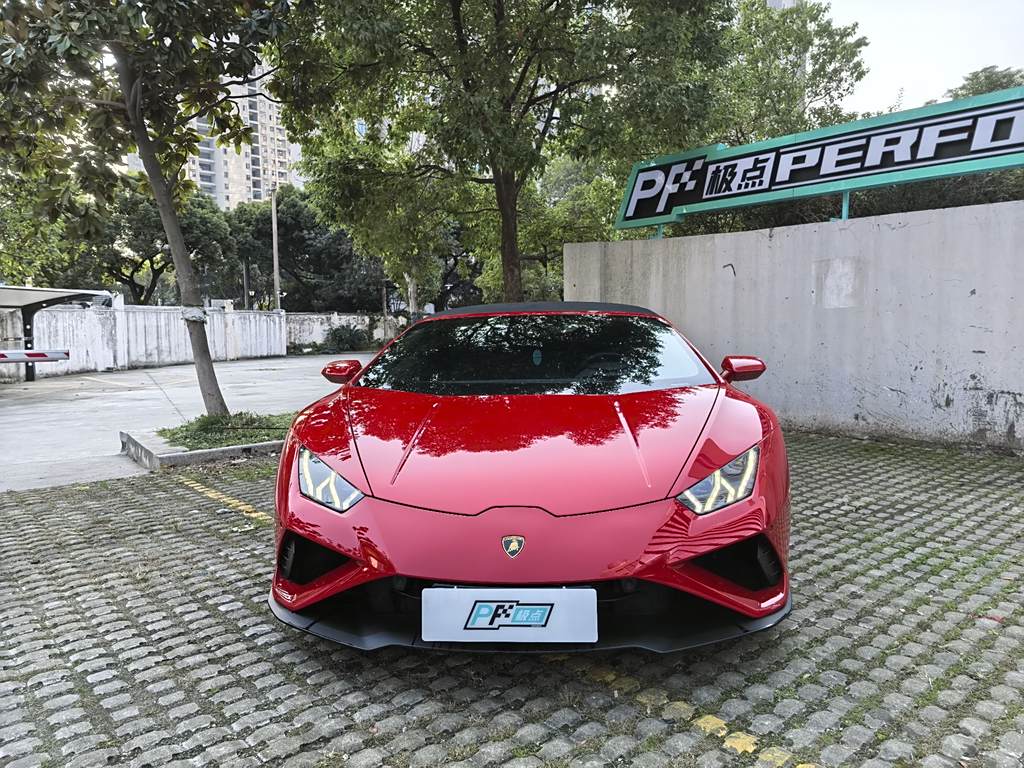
(534, 476)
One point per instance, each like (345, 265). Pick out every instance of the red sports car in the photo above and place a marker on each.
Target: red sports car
(534, 476)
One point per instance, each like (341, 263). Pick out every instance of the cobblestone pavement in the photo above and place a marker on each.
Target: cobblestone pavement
(135, 632)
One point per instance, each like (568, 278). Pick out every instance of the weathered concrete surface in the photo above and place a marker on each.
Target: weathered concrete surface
(312, 327)
(65, 429)
(909, 325)
(135, 631)
(103, 339)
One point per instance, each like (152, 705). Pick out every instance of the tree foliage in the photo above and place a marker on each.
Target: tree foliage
(131, 248)
(788, 70)
(464, 92)
(986, 80)
(65, 117)
(573, 201)
(34, 250)
(321, 271)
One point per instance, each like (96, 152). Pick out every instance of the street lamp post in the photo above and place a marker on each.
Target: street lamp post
(273, 230)
(245, 283)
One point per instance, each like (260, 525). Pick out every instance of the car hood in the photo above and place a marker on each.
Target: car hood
(566, 454)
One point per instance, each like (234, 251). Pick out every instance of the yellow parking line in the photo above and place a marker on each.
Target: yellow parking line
(711, 724)
(775, 756)
(229, 501)
(740, 742)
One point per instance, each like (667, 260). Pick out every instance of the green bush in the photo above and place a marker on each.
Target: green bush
(235, 429)
(345, 339)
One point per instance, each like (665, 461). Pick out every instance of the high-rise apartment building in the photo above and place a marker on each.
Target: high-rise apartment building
(231, 177)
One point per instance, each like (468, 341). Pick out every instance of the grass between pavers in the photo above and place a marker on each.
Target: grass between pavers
(234, 429)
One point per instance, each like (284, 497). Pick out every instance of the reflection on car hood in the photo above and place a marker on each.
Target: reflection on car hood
(567, 454)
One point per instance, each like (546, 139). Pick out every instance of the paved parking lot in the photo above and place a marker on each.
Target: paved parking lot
(134, 630)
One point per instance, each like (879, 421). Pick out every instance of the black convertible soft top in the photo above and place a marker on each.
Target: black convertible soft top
(544, 306)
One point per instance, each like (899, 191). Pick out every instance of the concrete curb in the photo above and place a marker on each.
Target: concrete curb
(149, 450)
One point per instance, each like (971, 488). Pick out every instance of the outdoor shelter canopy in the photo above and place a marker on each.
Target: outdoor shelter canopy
(29, 301)
(21, 296)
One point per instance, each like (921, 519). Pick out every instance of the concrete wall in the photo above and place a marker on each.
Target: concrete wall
(103, 339)
(312, 327)
(909, 325)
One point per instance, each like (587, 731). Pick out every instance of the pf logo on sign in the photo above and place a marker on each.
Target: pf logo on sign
(495, 614)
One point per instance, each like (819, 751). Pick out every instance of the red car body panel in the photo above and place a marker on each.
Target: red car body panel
(468, 454)
(589, 480)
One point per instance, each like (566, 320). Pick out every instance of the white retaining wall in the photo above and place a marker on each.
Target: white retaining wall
(102, 338)
(909, 325)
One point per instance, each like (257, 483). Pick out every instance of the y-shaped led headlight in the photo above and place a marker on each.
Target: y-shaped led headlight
(322, 484)
(724, 486)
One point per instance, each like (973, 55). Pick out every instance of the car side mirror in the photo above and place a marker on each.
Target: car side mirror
(341, 371)
(742, 368)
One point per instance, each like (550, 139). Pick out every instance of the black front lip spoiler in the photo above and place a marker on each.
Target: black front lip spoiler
(369, 632)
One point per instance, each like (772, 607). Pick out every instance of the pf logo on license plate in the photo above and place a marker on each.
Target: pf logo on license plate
(512, 545)
(495, 614)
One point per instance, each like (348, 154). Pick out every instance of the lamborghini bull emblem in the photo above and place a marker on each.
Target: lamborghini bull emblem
(512, 545)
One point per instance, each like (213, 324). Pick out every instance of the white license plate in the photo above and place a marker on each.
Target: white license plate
(512, 615)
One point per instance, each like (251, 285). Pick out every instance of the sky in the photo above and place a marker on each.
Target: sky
(926, 47)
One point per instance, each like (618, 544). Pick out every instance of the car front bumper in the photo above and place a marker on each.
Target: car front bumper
(651, 616)
(666, 579)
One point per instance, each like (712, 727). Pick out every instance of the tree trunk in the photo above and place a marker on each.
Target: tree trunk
(154, 279)
(410, 285)
(192, 309)
(507, 193)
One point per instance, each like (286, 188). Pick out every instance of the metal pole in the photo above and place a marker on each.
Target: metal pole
(245, 283)
(277, 266)
(846, 205)
(28, 315)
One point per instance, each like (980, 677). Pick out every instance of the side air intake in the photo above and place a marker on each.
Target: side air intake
(302, 561)
(751, 563)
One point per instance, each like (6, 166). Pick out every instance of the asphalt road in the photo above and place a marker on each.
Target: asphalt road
(134, 631)
(64, 429)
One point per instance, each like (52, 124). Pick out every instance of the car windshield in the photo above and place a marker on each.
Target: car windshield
(539, 354)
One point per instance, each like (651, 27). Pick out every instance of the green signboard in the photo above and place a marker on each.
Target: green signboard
(983, 133)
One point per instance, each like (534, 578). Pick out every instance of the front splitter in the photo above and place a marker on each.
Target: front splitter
(369, 630)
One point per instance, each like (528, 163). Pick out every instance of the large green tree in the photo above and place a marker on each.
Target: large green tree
(574, 201)
(404, 103)
(84, 83)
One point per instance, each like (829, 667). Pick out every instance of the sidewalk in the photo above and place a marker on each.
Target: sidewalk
(64, 429)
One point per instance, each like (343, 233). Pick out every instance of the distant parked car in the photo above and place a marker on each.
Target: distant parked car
(567, 475)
